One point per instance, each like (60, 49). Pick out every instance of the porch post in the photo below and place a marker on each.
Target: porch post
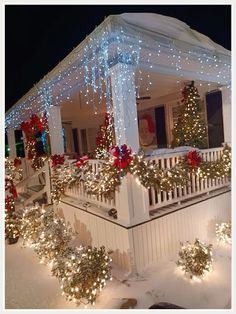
(132, 202)
(226, 107)
(131, 198)
(55, 130)
(11, 142)
(124, 105)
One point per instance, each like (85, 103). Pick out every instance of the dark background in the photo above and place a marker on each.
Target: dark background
(37, 37)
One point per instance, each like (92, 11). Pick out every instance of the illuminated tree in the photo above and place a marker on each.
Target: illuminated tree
(190, 129)
(105, 137)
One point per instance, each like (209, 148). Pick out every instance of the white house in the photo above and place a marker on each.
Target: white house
(134, 64)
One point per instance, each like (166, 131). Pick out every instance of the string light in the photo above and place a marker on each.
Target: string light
(12, 226)
(223, 232)
(53, 239)
(195, 259)
(108, 178)
(105, 138)
(31, 222)
(63, 176)
(13, 169)
(83, 272)
(87, 67)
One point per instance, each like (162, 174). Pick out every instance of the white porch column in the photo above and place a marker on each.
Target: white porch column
(226, 107)
(124, 105)
(132, 199)
(11, 142)
(55, 130)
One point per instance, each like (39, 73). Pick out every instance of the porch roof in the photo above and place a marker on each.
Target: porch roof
(150, 42)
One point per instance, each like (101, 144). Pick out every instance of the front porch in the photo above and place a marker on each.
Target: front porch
(131, 73)
(149, 223)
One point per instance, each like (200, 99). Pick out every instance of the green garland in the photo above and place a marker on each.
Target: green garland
(147, 173)
(151, 175)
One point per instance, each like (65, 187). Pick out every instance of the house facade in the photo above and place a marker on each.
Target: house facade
(135, 67)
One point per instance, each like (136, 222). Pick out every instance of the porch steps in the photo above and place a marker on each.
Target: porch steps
(24, 195)
(36, 188)
(33, 193)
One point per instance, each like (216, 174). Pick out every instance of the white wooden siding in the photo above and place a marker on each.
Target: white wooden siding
(159, 239)
(95, 231)
(149, 243)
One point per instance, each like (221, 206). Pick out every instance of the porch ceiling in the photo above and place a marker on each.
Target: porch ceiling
(163, 88)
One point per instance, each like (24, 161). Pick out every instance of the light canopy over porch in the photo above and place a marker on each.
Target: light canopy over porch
(142, 43)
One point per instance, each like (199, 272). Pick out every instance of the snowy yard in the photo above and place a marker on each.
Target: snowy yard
(29, 285)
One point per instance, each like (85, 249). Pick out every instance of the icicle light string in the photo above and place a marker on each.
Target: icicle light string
(87, 71)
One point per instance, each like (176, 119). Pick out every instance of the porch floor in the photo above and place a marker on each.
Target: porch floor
(29, 285)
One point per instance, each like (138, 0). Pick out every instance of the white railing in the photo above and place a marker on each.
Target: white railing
(28, 171)
(196, 186)
(155, 198)
(78, 191)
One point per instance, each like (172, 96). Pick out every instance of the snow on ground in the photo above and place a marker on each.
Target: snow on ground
(29, 285)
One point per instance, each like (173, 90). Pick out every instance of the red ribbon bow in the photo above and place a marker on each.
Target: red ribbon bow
(122, 156)
(193, 158)
(82, 161)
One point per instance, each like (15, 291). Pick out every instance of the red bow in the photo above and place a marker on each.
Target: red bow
(122, 156)
(82, 161)
(193, 158)
(9, 204)
(57, 160)
(17, 162)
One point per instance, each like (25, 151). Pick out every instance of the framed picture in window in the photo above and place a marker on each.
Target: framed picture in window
(147, 128)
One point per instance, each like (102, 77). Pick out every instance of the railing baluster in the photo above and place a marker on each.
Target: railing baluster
(164, 197)
(173, 163)
(168, 166)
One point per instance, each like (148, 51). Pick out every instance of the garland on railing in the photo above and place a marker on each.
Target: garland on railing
(64, 175)
(122, 161)
(151, 175)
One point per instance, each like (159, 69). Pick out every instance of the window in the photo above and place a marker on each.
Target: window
(20, 151)
(215, 119)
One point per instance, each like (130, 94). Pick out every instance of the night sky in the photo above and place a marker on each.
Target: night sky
(37, 37)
